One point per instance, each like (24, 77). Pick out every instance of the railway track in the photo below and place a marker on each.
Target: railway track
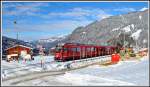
(36, 75)
(24, 78)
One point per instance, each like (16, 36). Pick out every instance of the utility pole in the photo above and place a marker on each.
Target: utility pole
(15, 24)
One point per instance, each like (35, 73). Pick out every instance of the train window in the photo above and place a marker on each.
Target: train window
(92, 49)
(107, 49)
(65, 49)
(78, 49)
(88, 49)
(73, 49)
(58, 48)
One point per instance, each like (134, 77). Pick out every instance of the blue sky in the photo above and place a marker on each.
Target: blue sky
(37, 20)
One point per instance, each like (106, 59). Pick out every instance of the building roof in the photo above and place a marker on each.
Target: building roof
(19, 45)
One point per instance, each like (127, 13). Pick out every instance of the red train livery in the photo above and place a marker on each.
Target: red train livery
(72, 51)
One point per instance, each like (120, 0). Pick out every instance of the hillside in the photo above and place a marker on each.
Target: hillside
(133, 26)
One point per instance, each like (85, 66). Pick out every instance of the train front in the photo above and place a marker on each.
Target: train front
(59, 54)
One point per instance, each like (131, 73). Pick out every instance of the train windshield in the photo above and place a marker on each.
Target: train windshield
(58, 48)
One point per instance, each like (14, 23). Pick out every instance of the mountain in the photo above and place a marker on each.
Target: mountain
(131, 29)
(51, 41)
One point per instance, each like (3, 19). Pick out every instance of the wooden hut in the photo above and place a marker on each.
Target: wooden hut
(16, 51)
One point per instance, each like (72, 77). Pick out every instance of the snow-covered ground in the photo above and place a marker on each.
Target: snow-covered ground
(15, 68)
(135, 72)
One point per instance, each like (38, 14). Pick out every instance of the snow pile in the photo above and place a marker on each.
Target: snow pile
(136, 34)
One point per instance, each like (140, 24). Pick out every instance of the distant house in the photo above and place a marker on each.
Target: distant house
(17, 52)
(52, 51)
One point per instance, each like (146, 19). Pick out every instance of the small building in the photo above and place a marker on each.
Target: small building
(52, 50)
(17, 52)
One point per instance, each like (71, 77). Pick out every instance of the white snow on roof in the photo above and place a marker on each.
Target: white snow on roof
(127, 28)
(136, 34)
(19, 45)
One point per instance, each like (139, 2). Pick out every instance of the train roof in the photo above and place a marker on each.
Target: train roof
(78, 44)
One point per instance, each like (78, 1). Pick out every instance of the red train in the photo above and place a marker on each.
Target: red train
(72, 51)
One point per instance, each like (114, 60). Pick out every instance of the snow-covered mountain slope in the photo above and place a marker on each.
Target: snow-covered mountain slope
(50, 42)
(112, 28)
(52, 39)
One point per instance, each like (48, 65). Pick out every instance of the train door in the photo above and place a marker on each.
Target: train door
(107, 50)
(73, 52)
(78, 53)
(103, 51)
(83, 52)
(88, 52)
(92, 49)
(98, 51)
(65, 53)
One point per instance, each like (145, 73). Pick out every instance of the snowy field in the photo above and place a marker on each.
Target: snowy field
(131, 73)
(15, 68)
(18, 68)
